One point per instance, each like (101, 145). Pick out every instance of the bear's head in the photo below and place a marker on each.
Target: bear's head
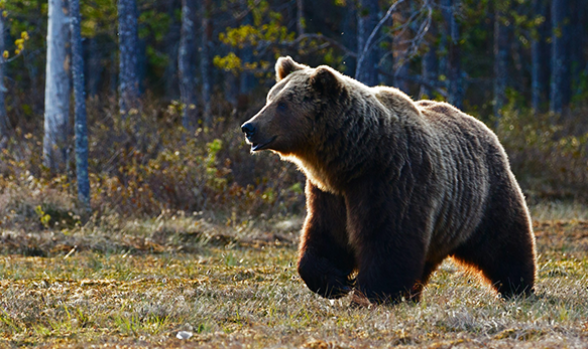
(287, 124)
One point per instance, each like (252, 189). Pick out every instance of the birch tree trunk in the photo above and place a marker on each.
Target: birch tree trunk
(560, 58)
(500, 59)
(187, 63)
(128, 47)
(540, 58)
(205, 65)
(81, 128)
(367, 19)
(3, 117)
(56, 88)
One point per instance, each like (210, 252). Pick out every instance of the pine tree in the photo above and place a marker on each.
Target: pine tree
(560, 56)
(454, 74)
(501, 45)
(128, 51)
(205, 61)
(540, 57)
(430, 64)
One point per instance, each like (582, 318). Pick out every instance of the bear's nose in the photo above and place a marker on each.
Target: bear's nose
(248, 129)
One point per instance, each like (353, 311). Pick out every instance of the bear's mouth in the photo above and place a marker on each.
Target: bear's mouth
(262, 145)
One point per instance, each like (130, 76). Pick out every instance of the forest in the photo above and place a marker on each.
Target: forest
(133, 213)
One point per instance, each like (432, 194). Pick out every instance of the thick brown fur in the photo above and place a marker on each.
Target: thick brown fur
(394, 187)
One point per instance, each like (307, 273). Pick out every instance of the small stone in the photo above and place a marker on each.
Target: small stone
(184, 335)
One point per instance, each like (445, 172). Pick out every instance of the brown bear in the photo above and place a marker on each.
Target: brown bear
(394, 187)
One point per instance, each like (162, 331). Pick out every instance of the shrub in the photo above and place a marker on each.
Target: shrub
(148, 165)
(548, 154)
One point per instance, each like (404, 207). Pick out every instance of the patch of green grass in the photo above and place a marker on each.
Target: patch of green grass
(246, 293)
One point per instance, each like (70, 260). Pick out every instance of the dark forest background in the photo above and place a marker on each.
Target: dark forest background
(167, 84)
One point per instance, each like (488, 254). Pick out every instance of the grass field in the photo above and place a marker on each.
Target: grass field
(142, 283)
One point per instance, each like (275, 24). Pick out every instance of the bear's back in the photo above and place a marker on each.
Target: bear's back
(451, 124)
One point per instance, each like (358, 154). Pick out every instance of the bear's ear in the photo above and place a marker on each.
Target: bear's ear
(285, 66)
(324, 80)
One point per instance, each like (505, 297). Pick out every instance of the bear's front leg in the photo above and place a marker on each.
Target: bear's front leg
(326, 260)
(389, 237)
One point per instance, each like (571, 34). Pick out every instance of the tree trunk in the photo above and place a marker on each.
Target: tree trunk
(579, 14)
(443, 51)
(113, 72)
(367, 19)
(401, 80)
(349, 36)
(430, 64)
(187, 63)
(128, 48)
(247, 81)
(540, 58)
(400, 63)
(172, 41)
(56, 88)
(300, 17)
(205, 65)
(81, 128)
(455, 86)
(3, 117)
(501, 46)
(560, 58)
(94, 66)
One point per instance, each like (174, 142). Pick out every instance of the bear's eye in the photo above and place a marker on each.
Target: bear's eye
(282, 106)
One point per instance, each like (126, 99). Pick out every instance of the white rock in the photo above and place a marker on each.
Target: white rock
(184, 335)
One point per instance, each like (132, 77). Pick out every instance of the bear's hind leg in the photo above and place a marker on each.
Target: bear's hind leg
(503, 248)
(508, 274)
(326, 261)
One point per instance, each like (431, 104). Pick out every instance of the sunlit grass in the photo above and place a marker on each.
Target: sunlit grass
(244, 292)
(559, 210)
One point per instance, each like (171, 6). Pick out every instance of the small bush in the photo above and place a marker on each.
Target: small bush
(548, 154)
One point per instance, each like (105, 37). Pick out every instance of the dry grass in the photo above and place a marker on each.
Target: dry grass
(559, 210)
(139, 283)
